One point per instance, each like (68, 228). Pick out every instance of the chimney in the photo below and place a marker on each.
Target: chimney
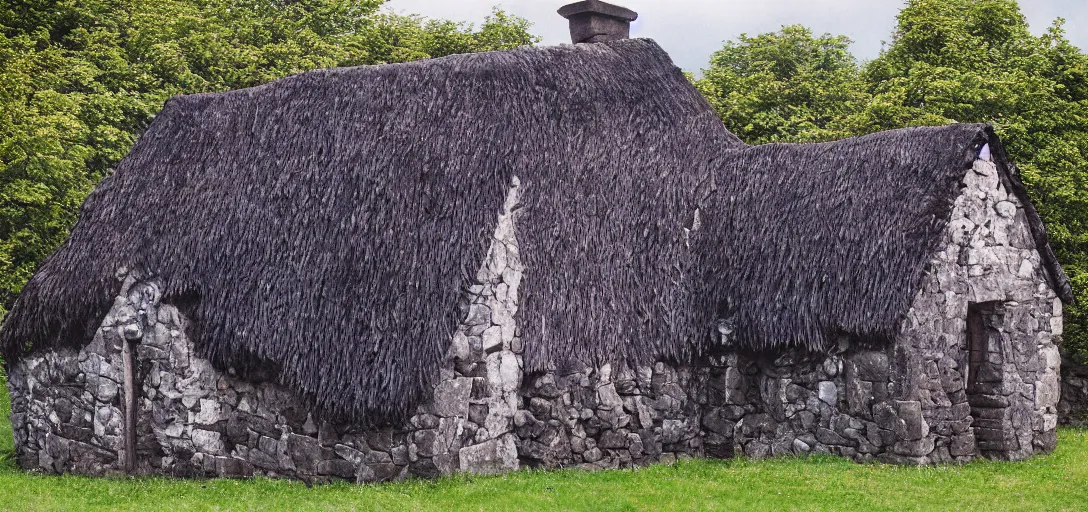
(594, 21)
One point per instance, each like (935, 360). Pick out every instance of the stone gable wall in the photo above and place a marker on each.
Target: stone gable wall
(989, 257)
(904, 403)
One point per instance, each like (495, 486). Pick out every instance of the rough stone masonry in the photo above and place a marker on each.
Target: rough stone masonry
(926, 398)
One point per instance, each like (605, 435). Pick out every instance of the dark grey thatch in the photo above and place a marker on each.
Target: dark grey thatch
(804, 242)
(321, 227)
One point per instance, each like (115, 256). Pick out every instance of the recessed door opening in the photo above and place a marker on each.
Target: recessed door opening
(985, 376)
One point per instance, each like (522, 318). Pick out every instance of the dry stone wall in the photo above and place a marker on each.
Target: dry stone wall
(909, 402)
(1073, 406)
(606, 418)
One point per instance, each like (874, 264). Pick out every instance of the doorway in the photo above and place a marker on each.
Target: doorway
(985, 377)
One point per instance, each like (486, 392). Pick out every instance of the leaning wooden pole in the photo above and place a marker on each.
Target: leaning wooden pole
(130, 406)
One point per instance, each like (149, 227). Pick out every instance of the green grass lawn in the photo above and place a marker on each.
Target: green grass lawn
(1056, 482)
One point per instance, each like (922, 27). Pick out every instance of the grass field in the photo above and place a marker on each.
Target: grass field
(1056, 482)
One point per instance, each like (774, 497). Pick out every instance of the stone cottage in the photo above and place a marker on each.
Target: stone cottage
(542, 257)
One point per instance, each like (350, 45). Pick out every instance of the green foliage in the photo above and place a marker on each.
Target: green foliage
(80, 79)
(787, 86)
(396, 38)
(949, 61)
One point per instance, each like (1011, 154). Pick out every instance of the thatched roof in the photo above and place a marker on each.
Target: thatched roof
(324, 226)
(805, 242)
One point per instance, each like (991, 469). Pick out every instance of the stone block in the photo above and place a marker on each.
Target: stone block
(210, 412)
(399, 454)
(1050, 422)
(381, 473)
(672, 431)
(859, 397)
(477, 413)
(338, 468)
(635, 445)
(460, 348)
(830, 437)
(264, 460)
(989, 401)
(718, 446)
(1047, 391)
(646, 412)
(451, 397)
(348, 453)
(540, 408)
(478, 315)
(105, 390)
(304, 452)
(716, 420)
(960, 411)
(794, 393)
(232, 467)
(614, 418)
(74, 433)
(592, 455)
(914, 448)
(509, 372)
(545, 386)
(425, 420)
(868, 365)
(914, 426)
(892, 458)
(500, 418)
(492, 339)
(828, 392)
(611, 439)
(726, 379)
(1045, 441)
(578, 444)
(429, 442)
(987, 413)
(207, 441)
(377, 457)
(608, 397)
(381, 440)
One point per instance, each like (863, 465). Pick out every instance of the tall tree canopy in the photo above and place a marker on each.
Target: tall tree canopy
(80, 79)
(948, 61)
(787, 86)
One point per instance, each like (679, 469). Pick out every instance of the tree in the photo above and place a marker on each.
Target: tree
(81, 79)
(784, 86)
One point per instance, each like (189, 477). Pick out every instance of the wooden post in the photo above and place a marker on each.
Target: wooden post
(130, 406)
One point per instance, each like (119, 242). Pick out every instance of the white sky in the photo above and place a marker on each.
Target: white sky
(690, 30)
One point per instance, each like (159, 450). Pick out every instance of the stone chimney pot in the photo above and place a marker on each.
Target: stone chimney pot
(594, 21)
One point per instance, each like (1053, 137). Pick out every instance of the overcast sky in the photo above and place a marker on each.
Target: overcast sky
(690, 30)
